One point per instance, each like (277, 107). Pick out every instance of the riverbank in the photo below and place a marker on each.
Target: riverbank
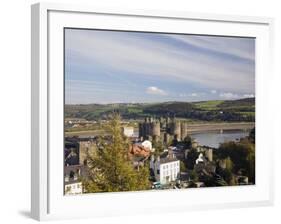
(198, 128)
(192, 128)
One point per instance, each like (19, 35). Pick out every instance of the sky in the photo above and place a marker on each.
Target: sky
(135, 67)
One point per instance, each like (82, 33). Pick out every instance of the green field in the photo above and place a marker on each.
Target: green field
(214, 110)
(208, 105)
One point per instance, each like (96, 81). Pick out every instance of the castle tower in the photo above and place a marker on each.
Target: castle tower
(168, 123)
(155, 126)
(166, 138)
(176, 129)
(183, 130)
(141, 130)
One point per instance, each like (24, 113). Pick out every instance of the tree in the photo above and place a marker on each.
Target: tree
(252, 135)
(182, 166)
(242, 155)
(187, 142)
(192, 155)
(111, 169)
(229, 164)
(158, 146)
(193, 176)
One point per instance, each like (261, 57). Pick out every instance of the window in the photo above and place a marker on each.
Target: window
(71, 174)
(68, 188)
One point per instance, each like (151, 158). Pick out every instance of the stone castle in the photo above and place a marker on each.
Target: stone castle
(164, 129)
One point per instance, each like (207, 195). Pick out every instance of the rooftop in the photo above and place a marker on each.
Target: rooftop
(167, 160)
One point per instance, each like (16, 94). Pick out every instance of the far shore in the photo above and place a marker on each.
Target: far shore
(192, 128)
(197, 128)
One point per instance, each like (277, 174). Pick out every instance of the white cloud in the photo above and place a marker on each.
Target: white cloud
(191, 94)
(229, 95)
(191, 61)
(133, 54)
(155, 91)
(248, 95)
(213, 91)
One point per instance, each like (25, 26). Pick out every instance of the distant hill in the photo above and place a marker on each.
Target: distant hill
(247, 104)
(229, 110)
(169, 108)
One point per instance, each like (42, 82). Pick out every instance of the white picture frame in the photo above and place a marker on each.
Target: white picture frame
(47, 199)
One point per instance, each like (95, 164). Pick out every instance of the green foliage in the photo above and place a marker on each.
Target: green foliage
(242, 155)
(241, 103)
(191, 157)
(187, 142)
(227, 176)
(227, 173)
(158, 146)
(208, 105)
(169, 108)
(110, 169)
(193, 176)
(182, 166)
(229, 164)
(234, 110)
(252, 135)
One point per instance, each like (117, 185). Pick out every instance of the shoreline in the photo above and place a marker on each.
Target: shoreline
(192, 128)
(199, 128)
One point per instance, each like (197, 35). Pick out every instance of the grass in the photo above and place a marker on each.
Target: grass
(208, 105)
(248, 113)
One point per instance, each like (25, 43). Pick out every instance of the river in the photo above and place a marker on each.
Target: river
(214, 138)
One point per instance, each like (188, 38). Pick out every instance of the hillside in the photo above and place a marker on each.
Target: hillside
(229, 110)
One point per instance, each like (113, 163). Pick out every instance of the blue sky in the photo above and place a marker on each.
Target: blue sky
(132, 67)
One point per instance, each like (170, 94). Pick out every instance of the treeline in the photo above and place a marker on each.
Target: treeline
(240, 157)
(231, 110)
(213, 115)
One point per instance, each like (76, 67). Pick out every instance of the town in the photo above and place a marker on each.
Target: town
(163, 147)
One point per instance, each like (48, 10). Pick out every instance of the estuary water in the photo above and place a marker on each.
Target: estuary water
(214, 138)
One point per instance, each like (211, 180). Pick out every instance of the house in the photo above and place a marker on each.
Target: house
(128, 131)
(148, 145)
(78, 148)
(73, 187)
(204, 167)
(141, 149)
(166, 167)
(72, 180)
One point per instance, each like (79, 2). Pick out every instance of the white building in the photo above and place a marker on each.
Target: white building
(72, 182)
(128, 131)
(166, 169)
(72, 188)
(200, 159)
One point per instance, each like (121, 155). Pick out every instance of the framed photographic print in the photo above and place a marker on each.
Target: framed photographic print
(148, 111)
